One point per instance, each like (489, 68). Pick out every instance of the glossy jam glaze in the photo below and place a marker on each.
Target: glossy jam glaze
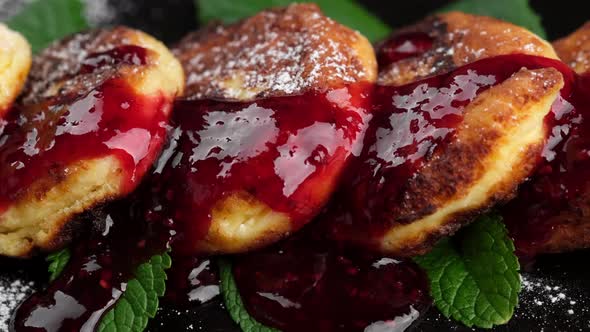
(557, 194)
(402, 47)
(112, 119)
(286, 152)
(191, 280)
(309, 284)
(409, 123)
(102, 263)
(307, 276)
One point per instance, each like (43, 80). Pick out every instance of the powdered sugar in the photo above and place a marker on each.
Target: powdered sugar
(544, 297)
(280, 52)
(12, 292)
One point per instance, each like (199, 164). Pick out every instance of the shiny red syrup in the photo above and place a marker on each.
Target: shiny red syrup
(121, 238)
(557, 194)
(309, 284)
(306, 282)
(109, 120)
(287, 152)
(191, 280)
(409, 123)
(402, 47)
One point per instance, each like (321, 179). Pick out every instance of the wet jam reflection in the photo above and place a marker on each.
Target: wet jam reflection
(290, 153)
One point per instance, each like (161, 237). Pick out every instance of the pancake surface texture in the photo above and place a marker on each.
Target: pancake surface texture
(88, 125)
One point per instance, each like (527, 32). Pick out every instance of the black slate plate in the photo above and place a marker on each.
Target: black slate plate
(556, 291)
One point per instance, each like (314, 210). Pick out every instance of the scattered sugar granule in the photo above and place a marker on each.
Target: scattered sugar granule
(12, 292)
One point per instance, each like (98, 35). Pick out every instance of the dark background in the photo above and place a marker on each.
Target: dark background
(540, 309)
(559, 17)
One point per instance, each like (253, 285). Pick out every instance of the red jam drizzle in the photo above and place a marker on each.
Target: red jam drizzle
(402, 47)
(308, 284)
(287, 152)
(409, 123)
(109, 120)
(557, 193)
(283, 151)
(191, 280)
(95, 278)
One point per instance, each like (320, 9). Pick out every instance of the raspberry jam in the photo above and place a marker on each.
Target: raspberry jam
(309, 284)
(409, 123)
(287, 152)
(291, 153)
(43, 140)
(103, 261)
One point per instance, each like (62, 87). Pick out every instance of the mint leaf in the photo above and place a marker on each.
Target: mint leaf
(57, 262)
(474, 279)
(515, 11)
(44, 21)
(233, 301)
(347, 12)
(139, 302)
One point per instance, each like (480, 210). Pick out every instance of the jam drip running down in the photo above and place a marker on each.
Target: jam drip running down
(402, 47)
(307, 284)
(101, 265)
(558, 194)
(287, 152)
(111, 119)
(409, 124)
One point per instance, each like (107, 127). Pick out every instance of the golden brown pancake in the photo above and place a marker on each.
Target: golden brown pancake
(68, 79)
(574, 49)
(285, 51)
(494, 149)
(279, 52)
(459, 39)
(15, 61)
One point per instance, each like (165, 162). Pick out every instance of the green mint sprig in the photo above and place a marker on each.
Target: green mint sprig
(474, 277)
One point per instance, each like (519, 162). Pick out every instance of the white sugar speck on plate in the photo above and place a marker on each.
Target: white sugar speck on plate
(12, 292)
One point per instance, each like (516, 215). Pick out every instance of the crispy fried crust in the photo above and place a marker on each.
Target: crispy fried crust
(495, 149)
(459, 39)
(42, 216)
(575, 49)
(278, 52)
(15, 62)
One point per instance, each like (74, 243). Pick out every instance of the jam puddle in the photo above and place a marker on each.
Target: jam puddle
(307, 283)
(102, 263)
